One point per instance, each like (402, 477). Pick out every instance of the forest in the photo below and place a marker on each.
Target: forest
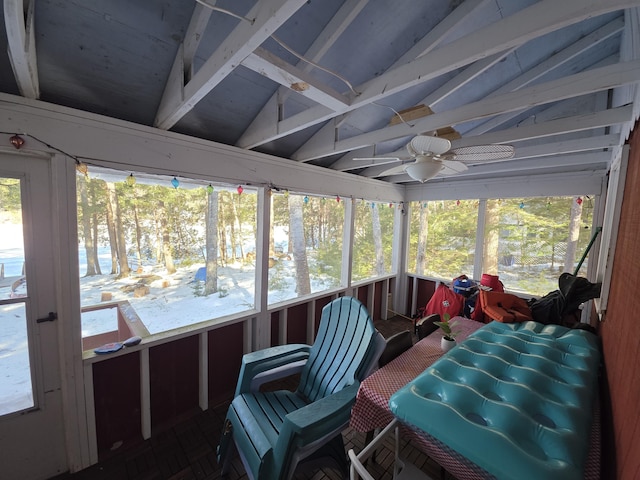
(528, 242)
(181, 224)
(142, 230)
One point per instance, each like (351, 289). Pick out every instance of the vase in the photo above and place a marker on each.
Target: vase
(447, 345)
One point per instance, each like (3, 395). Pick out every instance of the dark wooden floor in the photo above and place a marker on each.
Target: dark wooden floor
(187, 451)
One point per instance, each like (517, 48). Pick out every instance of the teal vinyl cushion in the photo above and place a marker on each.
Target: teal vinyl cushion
(515, 399)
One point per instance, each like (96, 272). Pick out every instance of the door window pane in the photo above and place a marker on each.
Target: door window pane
(16, 388)
(16, 391)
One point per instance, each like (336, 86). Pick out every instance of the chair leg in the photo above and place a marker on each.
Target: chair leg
(367, 440)
(331, 454)
(226, 449)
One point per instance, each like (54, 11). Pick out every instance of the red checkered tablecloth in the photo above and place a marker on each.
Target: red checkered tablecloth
(371, 409)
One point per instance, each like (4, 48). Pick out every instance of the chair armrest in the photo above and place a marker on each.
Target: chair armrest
(269, 364)
(319, 419)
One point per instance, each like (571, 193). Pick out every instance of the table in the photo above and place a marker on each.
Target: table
(371, 408)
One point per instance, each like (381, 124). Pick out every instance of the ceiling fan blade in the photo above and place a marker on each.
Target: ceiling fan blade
(368, 159)
(424, 144)
(478, 153)
(397, 170)
(451, 167)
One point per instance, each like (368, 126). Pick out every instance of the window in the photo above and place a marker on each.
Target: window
(529, 242)
(442, 238)
(372, 239)
(305, 245)
(162, 252)
(16, 389)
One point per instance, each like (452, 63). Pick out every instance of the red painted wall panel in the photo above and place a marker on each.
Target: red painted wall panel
(620, 334)
(225, 358)
(116, 387)
(297, 324)
(174, 370)
(275, 328)
(320, 304)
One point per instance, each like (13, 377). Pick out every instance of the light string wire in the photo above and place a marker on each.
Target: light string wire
(219, 181)
(48, 145)
(283, 45)
(303, 58)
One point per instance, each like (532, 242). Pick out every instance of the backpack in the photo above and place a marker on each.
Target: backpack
(445, 300)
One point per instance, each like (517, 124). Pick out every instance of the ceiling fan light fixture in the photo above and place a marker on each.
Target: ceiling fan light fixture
(423, 171)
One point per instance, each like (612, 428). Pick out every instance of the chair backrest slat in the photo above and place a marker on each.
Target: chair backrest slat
(342, 350)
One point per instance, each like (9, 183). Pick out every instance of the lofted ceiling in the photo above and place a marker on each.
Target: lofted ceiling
(328, 82)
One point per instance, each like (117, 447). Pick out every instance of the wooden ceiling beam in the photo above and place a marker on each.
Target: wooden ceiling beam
(559, 126)
(539, 19)
(552, 63)
(179, 97)
(193, 36)
(19, 24)
(276, 69)
(583, 83)
(271, 112)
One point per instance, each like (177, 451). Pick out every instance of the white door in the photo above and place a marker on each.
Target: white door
(32, 440)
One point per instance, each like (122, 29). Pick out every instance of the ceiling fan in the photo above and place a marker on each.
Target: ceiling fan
(434, 155)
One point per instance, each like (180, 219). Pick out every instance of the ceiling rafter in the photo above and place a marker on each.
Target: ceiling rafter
(193, 37)
(541, 18)
(276, 69)
(559, 126)
(553, 148)
(555, 61)
(19, 24)
(432, 39)
(271, 111)
(560, 59)
(449, 88)
(179, 97)
(591, 161)
(567, 87)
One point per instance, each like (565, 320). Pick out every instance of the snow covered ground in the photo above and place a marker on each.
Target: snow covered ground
(173, 301)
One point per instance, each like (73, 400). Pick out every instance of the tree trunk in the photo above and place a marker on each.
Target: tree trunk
(166, 238)
(96, 259)
(123, 263)
(95, 189)
(223, 242)
(138, 238)
(421, 255)
(377, 240)
(232, 227)
(296, 234)
(111, 229)
(211, 282)
(86, 228)
(574, 233)
(491, 239)
(236, 216)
